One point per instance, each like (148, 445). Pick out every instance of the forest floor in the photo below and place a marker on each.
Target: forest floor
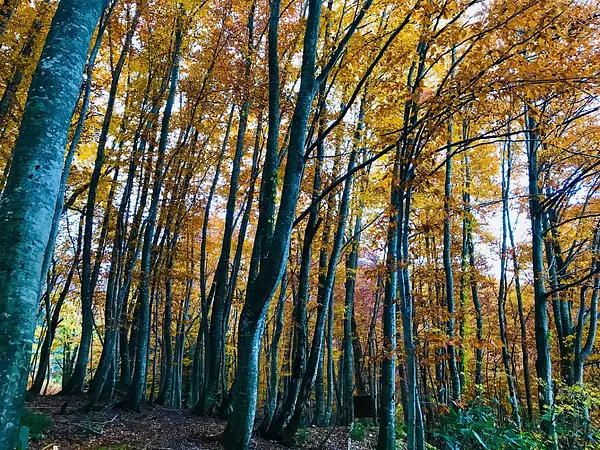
(155, 428)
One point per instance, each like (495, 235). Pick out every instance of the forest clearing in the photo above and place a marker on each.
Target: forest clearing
(316, 224)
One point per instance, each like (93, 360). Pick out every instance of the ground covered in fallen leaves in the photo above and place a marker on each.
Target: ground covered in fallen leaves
(155, 428)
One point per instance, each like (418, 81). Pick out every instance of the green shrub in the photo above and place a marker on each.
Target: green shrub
(302, 435)
(477, 427)
(400, 430)
(39, 424)
(367, 422)
(572, 411)
(358, 433)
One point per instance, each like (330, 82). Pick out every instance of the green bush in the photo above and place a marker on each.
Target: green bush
(358, 432)
(400, 430)
(477, 427)
(302, 435)
(366, 422)
(39, 424)
(571, 413)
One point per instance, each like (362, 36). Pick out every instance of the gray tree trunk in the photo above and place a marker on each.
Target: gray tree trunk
(261, 290)
(29, 198)
(447, 256)
(387, 416)
(502, 294)
(543, 363)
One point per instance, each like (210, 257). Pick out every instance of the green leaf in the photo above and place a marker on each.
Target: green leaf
(480, 440)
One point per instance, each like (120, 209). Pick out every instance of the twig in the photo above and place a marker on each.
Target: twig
(90, 429)
(50, 446)
(320, 446)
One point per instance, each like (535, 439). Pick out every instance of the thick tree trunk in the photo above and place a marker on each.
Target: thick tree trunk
(275, 241)
(87, 89)
(29, 198)
(317, 347)
(260, 292)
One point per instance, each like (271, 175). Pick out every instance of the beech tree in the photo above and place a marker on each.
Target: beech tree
(268, 213)
(28, 199)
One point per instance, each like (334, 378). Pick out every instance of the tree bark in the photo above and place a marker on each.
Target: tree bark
(29, 198)
(387, 417)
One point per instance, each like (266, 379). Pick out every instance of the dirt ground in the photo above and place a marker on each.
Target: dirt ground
(155, 428)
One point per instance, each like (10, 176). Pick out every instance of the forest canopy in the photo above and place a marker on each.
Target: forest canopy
(274, 212)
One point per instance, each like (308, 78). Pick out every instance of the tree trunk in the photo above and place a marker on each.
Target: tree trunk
(522, 321)
(261, 290)
(544, 362)
(137, 389)
(202, 349)
(273, 381)
(468, 264)
(317, 347)
(502, 294)
(347, 415)
(447, 256)
(29, 198)
(45, 352)
(23, 64)
(330, 372)
(165, 394)
(387, 417)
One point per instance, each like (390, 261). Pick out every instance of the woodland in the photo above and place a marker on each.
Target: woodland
(281, 219)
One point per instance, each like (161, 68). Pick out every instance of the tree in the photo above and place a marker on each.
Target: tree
(28, 200)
